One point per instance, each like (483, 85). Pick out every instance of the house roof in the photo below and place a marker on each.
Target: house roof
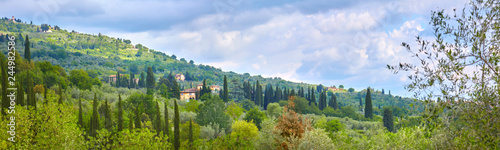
(191, 90)
(179, 75)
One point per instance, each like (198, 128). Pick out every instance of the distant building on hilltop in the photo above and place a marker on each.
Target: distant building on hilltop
(180, 77)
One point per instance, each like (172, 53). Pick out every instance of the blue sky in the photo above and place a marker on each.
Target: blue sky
(329, 42)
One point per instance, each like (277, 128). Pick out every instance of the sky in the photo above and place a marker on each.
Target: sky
(329, 42)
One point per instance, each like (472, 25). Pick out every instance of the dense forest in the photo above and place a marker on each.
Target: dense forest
(64, 99)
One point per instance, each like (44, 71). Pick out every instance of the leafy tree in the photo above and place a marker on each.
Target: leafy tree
(350, 90)
(234, 110)
(94, 120)
(245, 129)
(368, 104)
(255, 116)
(316, 139)
(177, 143)
(290, 126)
(247, 104)
(274, 110)
(120, 113)
(225, 97)
(388, 119)
(81, 79)
(458, 71)
(213, 110)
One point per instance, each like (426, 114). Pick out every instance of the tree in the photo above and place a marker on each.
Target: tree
(141, 81)
(5, 100)
(458, 69)
(132, 81)
(177, 143)
(258, 94)
(350, 90)
(137, 118)
(80, 113)
(233, 110)
(94, 120)
(108, 124)
(60, 94)
(120, 113)
(245, 129)
(117, 82)
(158, 120)
(150, 81)
(167, 128)
(190, 133)
(291, 126)
(368, 104)
(213, 110)
(27, 52)
(225, 97)
(388, 119)
(130, 122)
(255, 116)
(20, 92)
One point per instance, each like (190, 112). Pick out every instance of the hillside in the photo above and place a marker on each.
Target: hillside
(106, 55)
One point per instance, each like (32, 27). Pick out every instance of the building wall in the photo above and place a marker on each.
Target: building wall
(186, 96)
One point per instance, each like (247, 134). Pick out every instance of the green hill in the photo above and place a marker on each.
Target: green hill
(102, 56)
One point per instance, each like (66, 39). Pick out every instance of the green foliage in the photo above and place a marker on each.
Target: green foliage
(213, 110)
(94, 120)
(177, 143)
(120, 114)
(245, 130)
(81, 79)
(274, 110)
(192, 106)
(316, 139)
(255, 116)
(234, 110)
(368, 105)
(388, 119)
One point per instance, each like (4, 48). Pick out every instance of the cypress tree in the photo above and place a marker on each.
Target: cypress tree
(313, 98)
(5, 100)
(117, 82)
(225, 90)
(190, 132)
(176, 92)
(45, 100)
(94, 120)
(158, 119)
(368, 104)
(167, 128)
(137, 118)
(130, 122)
(150, 81)
(258, 94)
(27, 53)
(60, 95)
(141, 80)
(335, 104)
(108, 124)
(388, 119)
(120, 113)
(28, 91)
(131, 82)
(80, 113)
(177, 143)
(20, 93)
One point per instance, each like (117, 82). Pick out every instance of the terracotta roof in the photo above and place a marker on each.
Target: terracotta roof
(178, 75)
(201, 84)
(191, 90)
